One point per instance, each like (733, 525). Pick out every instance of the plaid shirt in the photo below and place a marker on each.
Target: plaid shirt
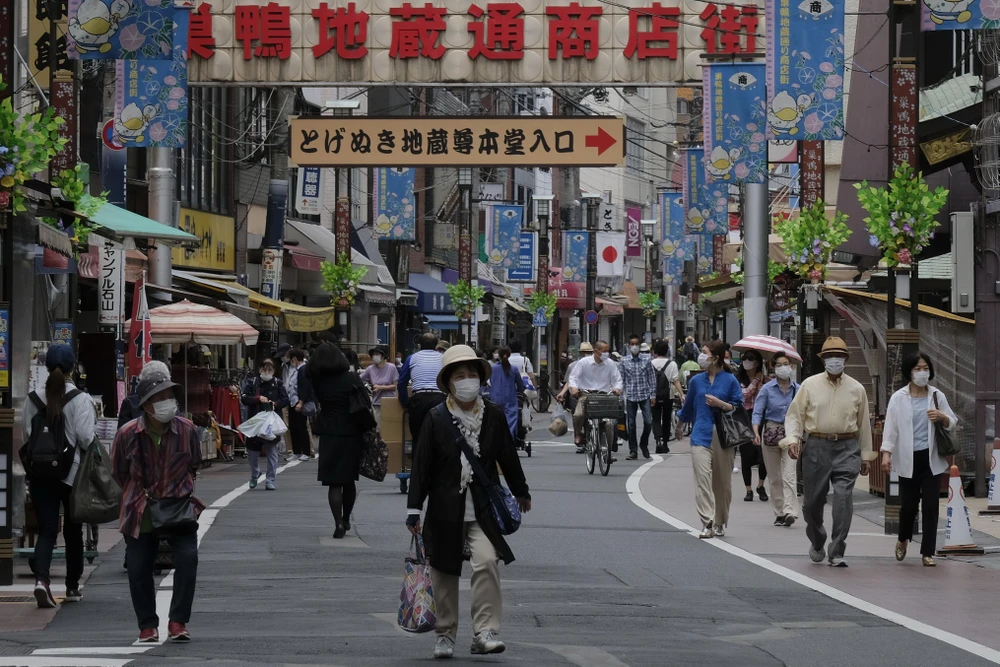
(170, 468)
(639, 378)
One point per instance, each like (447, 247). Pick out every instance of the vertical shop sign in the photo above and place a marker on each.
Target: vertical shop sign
(734, 119)
(903, 128)
(5, 346)
(64, 103)
(811, 172)
(270, 273)
(524, 270)
(342, 227)
(393, 204)
(633, 231)
(111, 291)
(718, 241)
(310, 190)
(675, 246)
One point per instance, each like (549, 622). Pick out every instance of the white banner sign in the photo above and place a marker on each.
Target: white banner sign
(607, 220)
(309, 193)
(491, 192)
(111, 290)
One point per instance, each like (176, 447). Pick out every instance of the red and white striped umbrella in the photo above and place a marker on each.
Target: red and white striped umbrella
(767, 345)
(186, 322)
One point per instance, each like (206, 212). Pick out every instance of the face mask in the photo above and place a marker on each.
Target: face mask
(703, 360)
(834, 365)
(634, 349)
(921, 378)
(496, 357)
(784, 372)
(377, 358)
(164, 411)
(266, 376)
(465, 390)
(399, 360)
(748, 365)
(605, 356)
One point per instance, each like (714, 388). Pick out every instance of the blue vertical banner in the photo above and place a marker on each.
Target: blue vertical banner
(151, 101)
(735, 122)
(504, 224)
(4, 347)
(393, 204)
(527, 260)
(961, 15)
(706, 252)
(575, 256)
(805, 69)
(120, 29)
(675, 247)
(707, 204)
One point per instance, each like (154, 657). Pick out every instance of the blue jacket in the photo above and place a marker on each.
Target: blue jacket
(695, 411)
(504, 390)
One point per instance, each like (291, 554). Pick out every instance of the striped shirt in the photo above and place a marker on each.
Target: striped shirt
(421, 368)
(170, 468)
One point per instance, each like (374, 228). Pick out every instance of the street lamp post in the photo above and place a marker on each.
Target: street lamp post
(593, 200)
(465, 238)
(543, 208)
(652, 257)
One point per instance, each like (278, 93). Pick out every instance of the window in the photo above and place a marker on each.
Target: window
(204, 165)
(636, 142)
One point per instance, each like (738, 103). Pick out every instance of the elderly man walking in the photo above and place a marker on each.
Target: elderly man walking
(831, 408)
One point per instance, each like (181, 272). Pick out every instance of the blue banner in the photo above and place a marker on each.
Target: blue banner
(393, 204)
(62, 332)
(524, 271)
(575, 256)
(151, 105)
(707, 205)
(735, 119)
(504, 235)
(961, 15)
(805, 69)
(4, 347)
(706, 252)
(121, 29)
(675, 247)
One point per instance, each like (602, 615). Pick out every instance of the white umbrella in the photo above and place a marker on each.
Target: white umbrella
(768, 344)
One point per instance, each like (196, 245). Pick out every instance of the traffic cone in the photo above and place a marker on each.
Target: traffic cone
(993, 499)
(958, 532)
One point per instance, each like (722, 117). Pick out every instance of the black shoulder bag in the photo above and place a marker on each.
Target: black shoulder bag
(169, 516)
(946, 445)
(734, 427)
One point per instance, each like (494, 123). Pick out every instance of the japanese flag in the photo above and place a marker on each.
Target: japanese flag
(610, 254)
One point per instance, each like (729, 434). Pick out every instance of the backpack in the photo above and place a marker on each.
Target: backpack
(662, 383)
(47, 454)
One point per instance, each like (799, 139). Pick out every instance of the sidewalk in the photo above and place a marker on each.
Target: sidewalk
(956, 596)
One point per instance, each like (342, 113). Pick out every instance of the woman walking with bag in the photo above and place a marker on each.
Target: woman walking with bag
(505, 386)
(769, 428)
(265, 392)
(751, 376)
(911, 446)
(443, 475)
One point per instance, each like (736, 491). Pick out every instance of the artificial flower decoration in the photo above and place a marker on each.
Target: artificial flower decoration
(545, 300)
(465, 298)
(342, 280)
(811, 238)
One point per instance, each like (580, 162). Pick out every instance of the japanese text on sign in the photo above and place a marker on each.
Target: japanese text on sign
(111, 288)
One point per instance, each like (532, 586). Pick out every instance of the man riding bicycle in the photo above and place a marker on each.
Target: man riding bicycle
(592, 374)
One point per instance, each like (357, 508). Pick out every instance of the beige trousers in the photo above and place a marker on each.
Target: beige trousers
(781, 481)
(487, 603)
(713, 481)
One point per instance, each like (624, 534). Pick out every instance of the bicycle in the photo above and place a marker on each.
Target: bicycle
(600, 410)
(543, 395)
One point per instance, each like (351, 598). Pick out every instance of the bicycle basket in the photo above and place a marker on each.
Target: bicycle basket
(599, 406)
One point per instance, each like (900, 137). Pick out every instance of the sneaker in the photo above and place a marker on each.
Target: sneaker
(706, 533)
(900, 550)
(177, 632)
(73, 595)
(253, 482)
(487, 642)
(748, 498)
(305, 458)
(445, 647)
(929, 561)
(837, 561)
(789, 520)
(762, 493)
(719, 531)
(149, 636)
(816, 555)
(269, 486)
(291, 457)
(736, 469)
(779, 520)
(43, 595)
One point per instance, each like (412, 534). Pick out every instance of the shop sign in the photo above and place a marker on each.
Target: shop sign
(270, 273)
(527, 254)
(491, 192)
(310, 191)
(217, 233)
(905, 107)
(111, 288)
(811, 171)
(502, 43)
(633, 231)
(4, 347)
(40, 40)
(64, 101)
(62, 332)
(342, 227)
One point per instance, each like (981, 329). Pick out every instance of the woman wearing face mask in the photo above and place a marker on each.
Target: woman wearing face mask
(751, 376)
(458, 507)
(382, 378)
(909, 448)
(769, 428)
(264, 392)
(714, 390)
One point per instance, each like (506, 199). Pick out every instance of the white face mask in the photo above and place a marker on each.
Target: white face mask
(703, 360)
(399, 360)
(377, 358)
(748, 365)
(634, 349)
(921, 378)
(496, 357)
(834, 365)
(605, 356)
(164, 411)
(465, 390)
(266, 377)
(784, 372)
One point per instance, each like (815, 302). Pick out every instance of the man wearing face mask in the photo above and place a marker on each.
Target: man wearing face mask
(639, 379)
(382, 377)
(593, 373)
(157, 455)
(832, 409)
(264, 392)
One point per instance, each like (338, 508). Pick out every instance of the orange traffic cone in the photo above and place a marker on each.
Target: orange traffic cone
(993, 499)
(958, 532)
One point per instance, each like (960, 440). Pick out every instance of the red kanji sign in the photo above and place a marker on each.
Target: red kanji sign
(663, 28)
(200, 38)
(502, 36)
(347, 29)
(574, 31)
(269, 25)
(728, 29)
(419, 31)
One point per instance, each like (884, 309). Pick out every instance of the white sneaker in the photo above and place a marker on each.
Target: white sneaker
(719, 531)
(487, 642)
(706, 533)
(305, 458)
(290, 457)
(445, 647)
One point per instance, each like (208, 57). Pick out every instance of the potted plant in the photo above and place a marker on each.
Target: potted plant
(545, 300)
(27, 144)
(73, 189)
(465, 298)
(650, 303)
(341, 280)
(811, 238)
(901, 215)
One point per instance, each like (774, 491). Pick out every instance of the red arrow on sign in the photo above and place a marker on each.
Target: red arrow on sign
(602, 141)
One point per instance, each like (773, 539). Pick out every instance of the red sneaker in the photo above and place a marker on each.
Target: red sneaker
(177, 632)
(149, 636)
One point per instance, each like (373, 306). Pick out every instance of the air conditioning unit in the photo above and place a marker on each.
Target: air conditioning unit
(963, 263)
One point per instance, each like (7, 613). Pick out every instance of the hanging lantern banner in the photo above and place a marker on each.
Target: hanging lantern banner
(961, 15)
(675, 247)
(707, 204)
(151, 101)
(805, 69)
(504, 222)
(393, 204)
(575, 256)
(735, 119)
(122, 30)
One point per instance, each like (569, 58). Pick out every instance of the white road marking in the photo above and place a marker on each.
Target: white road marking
(635, 495)
(583, 656)
(93, 650)
(43, 661)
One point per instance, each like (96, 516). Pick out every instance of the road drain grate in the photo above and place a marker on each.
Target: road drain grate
(16, 598)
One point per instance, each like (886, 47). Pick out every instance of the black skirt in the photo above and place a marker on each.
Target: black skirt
(339, 459)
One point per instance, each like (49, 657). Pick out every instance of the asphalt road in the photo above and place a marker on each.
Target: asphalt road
(598, 582)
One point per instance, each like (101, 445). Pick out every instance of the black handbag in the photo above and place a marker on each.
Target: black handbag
(734, 428)
(361, 409)
(946, 444)
(169, 516)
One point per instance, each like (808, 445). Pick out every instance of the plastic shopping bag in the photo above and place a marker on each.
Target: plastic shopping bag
(560, 422)
(266, 425)
(416, 600)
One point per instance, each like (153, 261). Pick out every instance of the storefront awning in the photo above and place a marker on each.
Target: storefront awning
(376, 294)
(89, 264)
(119, 224)
(323, 243)
(442, 322)
(514, 305)
(432, 294)
(610, 307)
(305, 260)
(186, 322)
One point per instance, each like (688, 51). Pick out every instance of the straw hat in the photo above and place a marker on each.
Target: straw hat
(834, 344)
(586, 347)
(457, 354)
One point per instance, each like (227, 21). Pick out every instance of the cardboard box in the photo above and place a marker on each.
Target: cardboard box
(395, 426)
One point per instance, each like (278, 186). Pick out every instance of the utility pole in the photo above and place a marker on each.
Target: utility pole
(755, 248)
(8, 23)
(160, 175)
(593, 202)
(543, 206)
(277, 205)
